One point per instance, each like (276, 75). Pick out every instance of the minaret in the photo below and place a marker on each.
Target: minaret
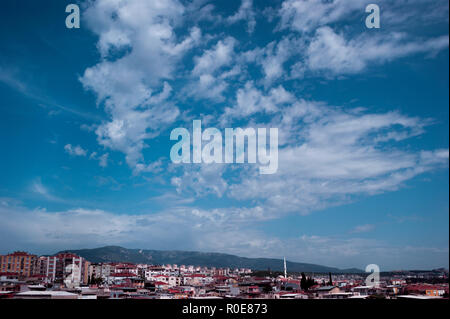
(285, 270)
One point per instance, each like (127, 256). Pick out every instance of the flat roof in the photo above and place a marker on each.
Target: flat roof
(46, 293)
(418, 297)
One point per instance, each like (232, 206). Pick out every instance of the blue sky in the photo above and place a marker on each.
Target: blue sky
(362, 114)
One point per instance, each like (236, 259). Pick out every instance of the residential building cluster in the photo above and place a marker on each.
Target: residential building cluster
(68, 276)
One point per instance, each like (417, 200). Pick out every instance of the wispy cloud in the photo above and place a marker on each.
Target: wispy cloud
(13, 79)
(38, 188)
(102, 159)
(331, 52)
(245, 13)
(200, 230)
(363, 228)
(306, 16)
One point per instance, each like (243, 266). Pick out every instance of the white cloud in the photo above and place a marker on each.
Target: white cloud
(40, 189)
(16, 80)
(141, 53)
(155, 167)
(332, 47)
(103, 160)
(250, 100)
(211, 60)
(75, 150)
(245, 13)
(201, 180)
(330, 155)
(331, 52)
(273, 57)
(307, 15)
(209, 74)
(140, 50)
(363, 228)
(200, 10)
(171, 199)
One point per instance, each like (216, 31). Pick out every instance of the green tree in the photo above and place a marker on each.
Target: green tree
(306, 282)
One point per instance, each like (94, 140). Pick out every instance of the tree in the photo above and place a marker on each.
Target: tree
(95, 281)
(303, 282)
(306, 282)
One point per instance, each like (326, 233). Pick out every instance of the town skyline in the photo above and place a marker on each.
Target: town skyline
(67, 275)
(97, 257)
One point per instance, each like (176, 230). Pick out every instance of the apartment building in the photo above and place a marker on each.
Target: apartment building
(20, 262)
(64, 268)
(47, 267)
(72, 269)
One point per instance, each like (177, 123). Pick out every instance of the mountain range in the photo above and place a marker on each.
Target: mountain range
(218, 260)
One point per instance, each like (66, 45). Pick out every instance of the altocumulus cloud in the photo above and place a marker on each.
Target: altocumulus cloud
(129, 86)
(329, 154)
(142, 48)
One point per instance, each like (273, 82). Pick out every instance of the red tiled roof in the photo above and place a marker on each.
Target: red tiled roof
(123, 274)
(126, 266)
(122, 286)
(174, 291)
(423, 287)
(20, 253)
(9, 274)
(67, 255)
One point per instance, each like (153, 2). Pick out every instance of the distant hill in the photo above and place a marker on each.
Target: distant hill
(120, 254)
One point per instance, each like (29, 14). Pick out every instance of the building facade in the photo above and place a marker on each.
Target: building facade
(20, 262)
